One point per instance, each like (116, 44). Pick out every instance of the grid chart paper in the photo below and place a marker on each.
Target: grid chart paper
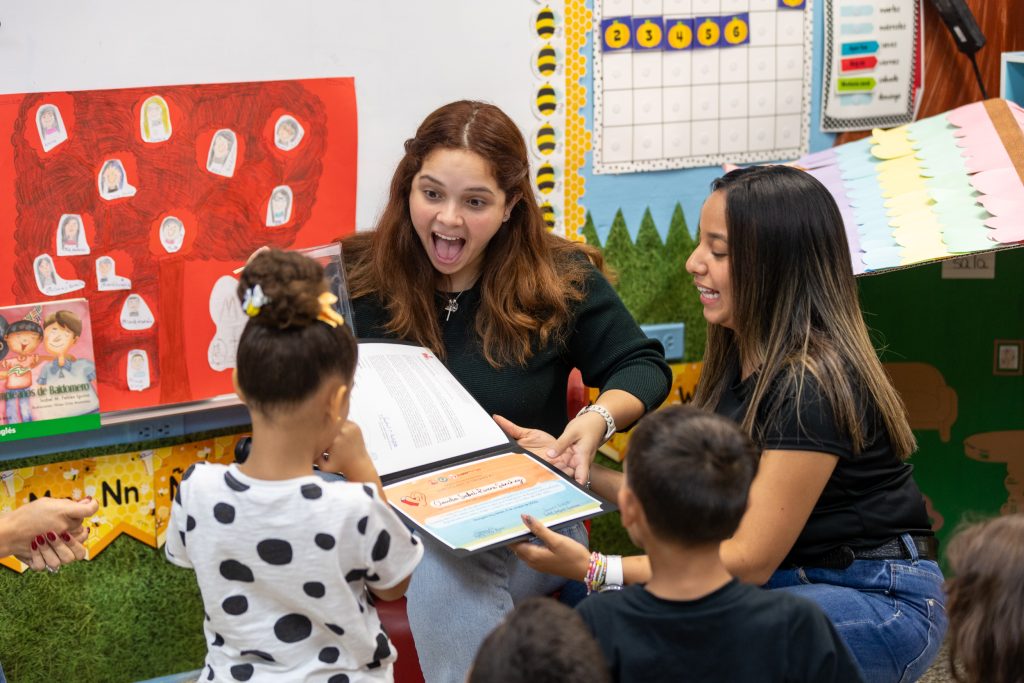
(686, 83)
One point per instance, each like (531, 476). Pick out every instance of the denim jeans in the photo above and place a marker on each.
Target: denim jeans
(454, 603)
(890, 613)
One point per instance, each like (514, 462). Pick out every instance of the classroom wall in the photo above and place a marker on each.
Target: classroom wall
(135, 615)
(915, 315)
(951, 326)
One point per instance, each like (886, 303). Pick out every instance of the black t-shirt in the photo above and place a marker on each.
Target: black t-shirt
(737, 633)
(870, 497)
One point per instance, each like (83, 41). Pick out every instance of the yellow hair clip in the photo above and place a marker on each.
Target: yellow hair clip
(327, 313)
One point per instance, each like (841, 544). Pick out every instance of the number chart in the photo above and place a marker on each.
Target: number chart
(685, 83)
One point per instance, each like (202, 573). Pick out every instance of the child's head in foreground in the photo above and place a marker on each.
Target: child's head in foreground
(291, 363)
(688, 473)
(540, 641)
(986, 601)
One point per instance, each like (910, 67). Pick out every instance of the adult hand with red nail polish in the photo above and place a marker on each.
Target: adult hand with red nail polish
(61, 550)
(40, 519)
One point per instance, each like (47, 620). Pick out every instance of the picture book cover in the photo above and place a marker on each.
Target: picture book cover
(47, 370)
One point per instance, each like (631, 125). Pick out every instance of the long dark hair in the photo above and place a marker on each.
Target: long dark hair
(528, 281)
(285, 352)
(986, 601)
(796, 307)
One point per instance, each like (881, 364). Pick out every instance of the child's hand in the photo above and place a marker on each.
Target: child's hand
(348, 457)
(556, 554)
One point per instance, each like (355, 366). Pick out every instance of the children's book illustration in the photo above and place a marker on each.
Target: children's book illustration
(47, 370)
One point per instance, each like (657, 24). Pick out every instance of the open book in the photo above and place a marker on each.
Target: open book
(446, 466)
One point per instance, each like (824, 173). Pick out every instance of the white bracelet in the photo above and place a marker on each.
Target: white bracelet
(603, 412)
(613, 574)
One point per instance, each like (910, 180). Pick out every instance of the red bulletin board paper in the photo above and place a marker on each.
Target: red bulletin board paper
(225, 218)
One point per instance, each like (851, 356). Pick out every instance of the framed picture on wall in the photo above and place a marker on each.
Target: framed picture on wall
(1009, 357)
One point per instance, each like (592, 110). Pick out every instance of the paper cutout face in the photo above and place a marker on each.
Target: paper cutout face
(155, 120)
(172, 234)
(47, 279)
(71, 239)
(113, 182)
(229, 318)
(288, 133)
(279, 208)
(223, 152)
(107, 278)
(138, 370)
(136, 314)
(50, 126)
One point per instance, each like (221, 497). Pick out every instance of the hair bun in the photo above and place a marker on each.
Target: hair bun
(291, 284)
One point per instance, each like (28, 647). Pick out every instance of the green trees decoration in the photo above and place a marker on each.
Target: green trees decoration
(652, 277)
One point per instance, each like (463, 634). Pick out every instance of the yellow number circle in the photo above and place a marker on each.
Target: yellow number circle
(680, 36)
(793, 3)
(735, 31)
(649, 34)
(707, 33)
(616, 35)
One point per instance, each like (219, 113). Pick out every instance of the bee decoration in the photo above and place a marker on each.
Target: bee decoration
(545, 23)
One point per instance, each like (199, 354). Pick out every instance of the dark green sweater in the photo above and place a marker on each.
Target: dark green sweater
(605, 344)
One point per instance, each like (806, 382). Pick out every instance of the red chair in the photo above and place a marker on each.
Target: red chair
(393, 615)
(396, 624)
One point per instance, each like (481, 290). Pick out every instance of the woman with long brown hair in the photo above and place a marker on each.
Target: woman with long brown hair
(461, 262)
(834, 513)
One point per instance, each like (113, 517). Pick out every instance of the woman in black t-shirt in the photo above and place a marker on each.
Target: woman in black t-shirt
(834, 513)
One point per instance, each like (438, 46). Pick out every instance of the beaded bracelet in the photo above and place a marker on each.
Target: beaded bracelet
(597, 571)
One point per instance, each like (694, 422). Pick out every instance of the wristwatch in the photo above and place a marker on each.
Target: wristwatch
(603, 412)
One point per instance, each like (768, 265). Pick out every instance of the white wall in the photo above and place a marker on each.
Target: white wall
(407, 57)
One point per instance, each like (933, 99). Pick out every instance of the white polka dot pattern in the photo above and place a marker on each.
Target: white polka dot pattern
(284, 567)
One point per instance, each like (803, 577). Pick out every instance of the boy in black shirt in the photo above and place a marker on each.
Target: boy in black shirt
(687, 479)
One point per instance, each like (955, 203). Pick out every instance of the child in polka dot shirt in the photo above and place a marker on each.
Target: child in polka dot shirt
(286, 561)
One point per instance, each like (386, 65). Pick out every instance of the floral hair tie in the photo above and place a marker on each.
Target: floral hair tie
(327, 313)
(254, 300)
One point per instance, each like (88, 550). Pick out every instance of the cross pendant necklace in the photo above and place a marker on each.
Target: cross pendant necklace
(453, 305)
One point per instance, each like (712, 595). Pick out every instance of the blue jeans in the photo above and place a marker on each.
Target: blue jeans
(890, 613)
(454, 603)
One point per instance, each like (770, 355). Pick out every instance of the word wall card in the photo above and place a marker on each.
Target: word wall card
(684, 83)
